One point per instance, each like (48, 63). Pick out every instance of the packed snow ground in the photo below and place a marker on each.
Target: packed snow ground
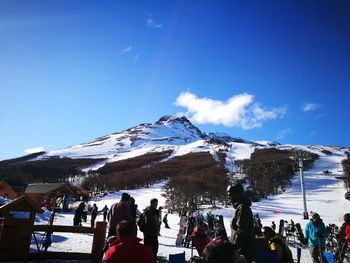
(324, 194)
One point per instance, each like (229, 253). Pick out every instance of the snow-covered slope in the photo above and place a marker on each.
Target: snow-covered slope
(324, 195)
(324, 192)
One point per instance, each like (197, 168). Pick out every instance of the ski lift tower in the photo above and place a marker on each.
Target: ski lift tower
(301, 157)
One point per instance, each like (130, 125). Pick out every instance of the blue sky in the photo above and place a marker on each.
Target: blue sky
(71, 71)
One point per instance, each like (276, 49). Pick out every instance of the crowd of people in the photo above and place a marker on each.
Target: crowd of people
(81, 212)
(248, 241)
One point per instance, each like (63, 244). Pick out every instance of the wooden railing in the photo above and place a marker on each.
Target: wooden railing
(97, 243)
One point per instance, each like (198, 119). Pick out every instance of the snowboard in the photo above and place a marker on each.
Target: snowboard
(182, 231)
(191, 224)
(300, 234)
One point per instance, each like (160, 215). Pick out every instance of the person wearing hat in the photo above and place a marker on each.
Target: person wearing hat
(316, 233)
(242, 223)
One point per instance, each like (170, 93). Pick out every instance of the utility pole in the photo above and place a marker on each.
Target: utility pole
(306, 215)
(232, 163)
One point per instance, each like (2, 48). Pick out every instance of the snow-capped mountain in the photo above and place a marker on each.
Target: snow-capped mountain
(324, 192)
(180, 136)
(168, 131)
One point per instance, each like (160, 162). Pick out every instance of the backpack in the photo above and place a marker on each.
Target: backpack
(142, 222)
(287, 254)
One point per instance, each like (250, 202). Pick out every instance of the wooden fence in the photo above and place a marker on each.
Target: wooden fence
(97, 243)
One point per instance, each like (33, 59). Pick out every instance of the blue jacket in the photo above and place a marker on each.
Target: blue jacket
(315, 232)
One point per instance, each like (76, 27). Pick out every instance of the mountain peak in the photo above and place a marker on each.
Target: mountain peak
(180, 123)
(172, 119)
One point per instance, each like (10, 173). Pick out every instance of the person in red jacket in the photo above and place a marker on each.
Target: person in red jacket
(199, 237)
(127, 247)
(347, 228)
(345, 234)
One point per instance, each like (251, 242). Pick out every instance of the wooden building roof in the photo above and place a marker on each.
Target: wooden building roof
(23, 199)
(48, 188)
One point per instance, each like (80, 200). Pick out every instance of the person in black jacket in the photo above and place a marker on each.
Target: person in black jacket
(133, 208)
(242, 223)
(165, 220)
(94, 212)
(104, 210)
(149, 223)
(78, 214)
(220, 250)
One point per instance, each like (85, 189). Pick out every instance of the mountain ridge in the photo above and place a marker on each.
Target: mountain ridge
(174, 133)
(149, 152)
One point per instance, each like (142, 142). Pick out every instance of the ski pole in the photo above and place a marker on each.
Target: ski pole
(298, 254)
(320, 250)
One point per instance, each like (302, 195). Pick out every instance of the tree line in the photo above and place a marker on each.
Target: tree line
(269, 171)
(191, 177)
(346, 168)
(28, 170)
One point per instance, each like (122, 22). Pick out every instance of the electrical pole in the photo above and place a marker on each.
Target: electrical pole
(233, 161)
(306, 215)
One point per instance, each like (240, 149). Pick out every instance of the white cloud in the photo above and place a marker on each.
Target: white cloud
(34, 150)
(283, 133)
(126, 50)
(151, 23)
(308, 106)
(239, 110)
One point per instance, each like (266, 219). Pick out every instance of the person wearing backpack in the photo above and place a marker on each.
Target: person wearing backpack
(316, 233)
(277, 245)
(149, 223)
(200, 237)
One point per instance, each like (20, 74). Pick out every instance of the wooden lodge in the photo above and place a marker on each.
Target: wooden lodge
(6, 191)
(50, 195)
